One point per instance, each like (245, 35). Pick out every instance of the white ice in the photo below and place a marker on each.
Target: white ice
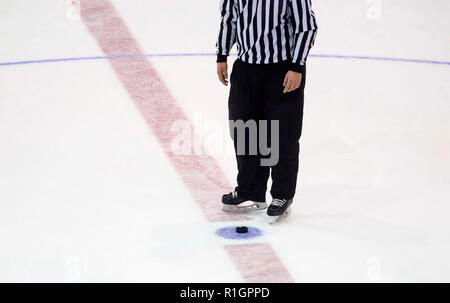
(87, 194)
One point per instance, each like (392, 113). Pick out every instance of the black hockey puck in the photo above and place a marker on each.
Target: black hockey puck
(242, 229)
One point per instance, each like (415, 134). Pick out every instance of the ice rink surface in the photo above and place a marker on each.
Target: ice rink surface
(89, 193)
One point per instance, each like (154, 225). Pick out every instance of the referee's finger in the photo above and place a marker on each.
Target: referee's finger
(288, 86)
(285, 80)
(220, 75)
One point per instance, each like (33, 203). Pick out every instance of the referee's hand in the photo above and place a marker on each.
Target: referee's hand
(222, 72)
(292, 81)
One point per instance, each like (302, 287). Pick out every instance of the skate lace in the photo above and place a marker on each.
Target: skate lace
(279, 202)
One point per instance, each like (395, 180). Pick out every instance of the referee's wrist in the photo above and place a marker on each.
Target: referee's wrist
(297, 68)
(221, 58)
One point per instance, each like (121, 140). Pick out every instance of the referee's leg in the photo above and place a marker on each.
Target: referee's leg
(246, 103)
(287, 108)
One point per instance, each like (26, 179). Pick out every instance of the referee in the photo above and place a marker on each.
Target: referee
(273, 40)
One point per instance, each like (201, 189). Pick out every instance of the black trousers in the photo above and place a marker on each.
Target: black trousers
(256, 93)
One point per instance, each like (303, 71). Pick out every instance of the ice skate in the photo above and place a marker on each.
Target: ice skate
(278, 210)
(232, 203)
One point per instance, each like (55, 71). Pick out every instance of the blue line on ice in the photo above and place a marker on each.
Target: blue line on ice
(370, 58)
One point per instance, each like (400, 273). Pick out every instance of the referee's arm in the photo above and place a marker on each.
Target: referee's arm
(305, 29)
(227, 30)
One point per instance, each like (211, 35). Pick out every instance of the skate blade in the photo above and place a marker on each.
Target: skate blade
(245, 207)
(275, 219)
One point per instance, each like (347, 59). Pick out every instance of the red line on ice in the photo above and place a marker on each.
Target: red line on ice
(201, 173)
(258, 263)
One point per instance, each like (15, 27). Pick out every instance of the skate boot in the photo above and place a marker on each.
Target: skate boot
(232, 203)
(278, 209)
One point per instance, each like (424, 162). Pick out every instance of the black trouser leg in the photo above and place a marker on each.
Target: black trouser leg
(246, 103)
(288, 110)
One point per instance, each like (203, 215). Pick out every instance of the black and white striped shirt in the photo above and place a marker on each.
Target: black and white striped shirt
(267, 31)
